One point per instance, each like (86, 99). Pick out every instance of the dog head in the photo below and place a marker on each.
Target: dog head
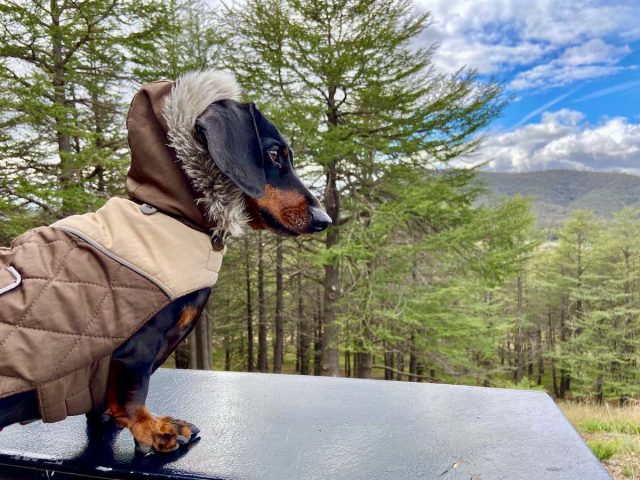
(250, 151)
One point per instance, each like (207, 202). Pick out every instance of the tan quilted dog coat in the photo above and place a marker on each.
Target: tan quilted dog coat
(71, 293)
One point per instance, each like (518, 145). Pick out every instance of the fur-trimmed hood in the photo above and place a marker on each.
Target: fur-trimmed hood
(170, 169)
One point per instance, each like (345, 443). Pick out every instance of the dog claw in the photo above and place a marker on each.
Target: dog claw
(175, 447)
(182, 440)
(143, 448)
(194, 430)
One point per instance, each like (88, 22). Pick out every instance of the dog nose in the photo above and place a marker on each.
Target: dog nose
(319, 220)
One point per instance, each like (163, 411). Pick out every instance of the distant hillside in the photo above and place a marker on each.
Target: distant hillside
(556, 193)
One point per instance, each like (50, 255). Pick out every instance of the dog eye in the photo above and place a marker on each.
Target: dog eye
(273, 155)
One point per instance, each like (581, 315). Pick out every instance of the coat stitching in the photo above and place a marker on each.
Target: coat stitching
(107, 294)
(98, 337)
(71, 282)
(37, 299)
(40, 244)
(159, 301)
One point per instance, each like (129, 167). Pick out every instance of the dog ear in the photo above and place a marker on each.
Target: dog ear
(229, 131)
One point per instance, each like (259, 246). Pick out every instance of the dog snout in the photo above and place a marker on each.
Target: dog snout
(319, 220)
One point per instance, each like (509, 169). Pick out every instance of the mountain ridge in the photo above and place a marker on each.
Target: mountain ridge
(557, 193)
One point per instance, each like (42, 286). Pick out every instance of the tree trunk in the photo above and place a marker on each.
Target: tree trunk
(420, 372)
(413, 359)
(305, 329)
(551, 340)
(519, 340)
(347, 363)
(564, 375)
(278, 344)
(330, 360)
(247, 272)
(363, 357)
(317, 341)
(388, 362)
(364, 363)
(262, 320)
(59, 80)
(600, 389)
(227, 353)
(193, 347)
(202, 342)
(99, 127)
(182, 354)
(530, 359)
(400, 363)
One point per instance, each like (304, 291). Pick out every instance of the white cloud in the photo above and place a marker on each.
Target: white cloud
(555, 74)
(563, 139)
(561, 40)
(592, 59)
(594, 51)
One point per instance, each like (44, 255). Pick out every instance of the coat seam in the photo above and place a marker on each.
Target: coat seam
(166, 290)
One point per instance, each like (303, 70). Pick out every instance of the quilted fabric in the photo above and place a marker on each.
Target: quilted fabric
(177, 258)
(74, 307)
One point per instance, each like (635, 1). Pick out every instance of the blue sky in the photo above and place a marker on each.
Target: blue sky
(572, 68)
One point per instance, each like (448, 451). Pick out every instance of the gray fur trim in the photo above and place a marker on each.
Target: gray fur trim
(193, 92)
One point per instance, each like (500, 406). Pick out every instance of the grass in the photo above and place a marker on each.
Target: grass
(604, 450)
(629, 427)
(612, 433)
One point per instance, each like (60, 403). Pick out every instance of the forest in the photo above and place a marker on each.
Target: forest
(416, 280)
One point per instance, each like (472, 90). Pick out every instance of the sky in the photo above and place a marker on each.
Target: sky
(571, 68)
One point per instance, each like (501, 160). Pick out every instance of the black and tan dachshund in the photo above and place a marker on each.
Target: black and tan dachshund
(274, 199)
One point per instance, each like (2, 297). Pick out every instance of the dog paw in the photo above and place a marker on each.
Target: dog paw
(161, 434)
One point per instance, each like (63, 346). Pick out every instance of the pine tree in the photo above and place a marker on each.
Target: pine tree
(344, 80)
(604, 352)
(61, 122)
(185, 40)
(573, 261)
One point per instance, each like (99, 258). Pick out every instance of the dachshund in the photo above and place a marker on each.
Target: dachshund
(241, 170)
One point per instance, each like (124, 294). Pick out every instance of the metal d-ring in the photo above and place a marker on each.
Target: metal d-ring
(18, 279)
(217, 241)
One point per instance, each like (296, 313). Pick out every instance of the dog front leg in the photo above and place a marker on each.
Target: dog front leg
(131, 369)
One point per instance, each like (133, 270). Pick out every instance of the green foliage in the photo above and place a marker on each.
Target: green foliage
(185, 39)
(62, 67)
(524, 384)
(629, 427)
(602, 449)
(605, 348)
(366, 113)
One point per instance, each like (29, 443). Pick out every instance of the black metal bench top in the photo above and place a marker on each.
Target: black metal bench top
(268, 427)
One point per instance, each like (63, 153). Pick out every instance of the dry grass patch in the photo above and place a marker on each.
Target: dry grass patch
(612, 433)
